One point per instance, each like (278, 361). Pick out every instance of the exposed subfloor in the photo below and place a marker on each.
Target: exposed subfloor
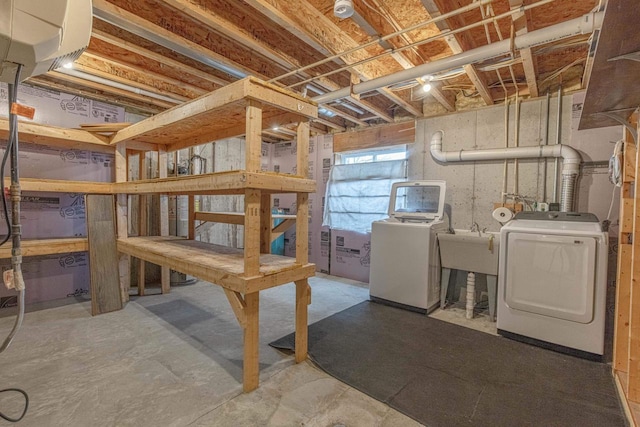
(176, 360)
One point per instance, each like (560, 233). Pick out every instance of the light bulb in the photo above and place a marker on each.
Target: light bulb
(426, 87)
(67, 65)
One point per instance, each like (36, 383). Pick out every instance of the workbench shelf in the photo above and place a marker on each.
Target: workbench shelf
(245, 107)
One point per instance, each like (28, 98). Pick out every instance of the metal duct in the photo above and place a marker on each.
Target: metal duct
(570, 165)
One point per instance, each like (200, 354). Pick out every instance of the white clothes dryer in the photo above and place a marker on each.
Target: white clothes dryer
(552, 281)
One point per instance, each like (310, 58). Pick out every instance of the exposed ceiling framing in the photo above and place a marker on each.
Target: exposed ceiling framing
(150, 55)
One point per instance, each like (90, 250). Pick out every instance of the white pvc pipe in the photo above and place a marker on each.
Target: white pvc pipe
(570, 166)
(583, 25)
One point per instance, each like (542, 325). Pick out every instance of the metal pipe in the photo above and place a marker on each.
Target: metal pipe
(558, 130)
(585, 24)
(378, 40)
(441, 35)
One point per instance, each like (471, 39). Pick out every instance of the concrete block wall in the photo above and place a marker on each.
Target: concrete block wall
(473, 187)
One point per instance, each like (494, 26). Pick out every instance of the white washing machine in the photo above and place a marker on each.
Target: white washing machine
(552, 280)
(405, 263)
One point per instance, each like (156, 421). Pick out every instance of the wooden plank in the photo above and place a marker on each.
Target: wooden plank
(146, 53)
(634, 313)
(303, 297)
(198, 120)
(378, 136)
(219, 183)
(221, 265)
(251, 358)
(122, 219)
(63, 186)
(623, 299)
(631, 409)
(103, 256)
(252, 232)
(253, 137)
(282, 227)
(52, 136)
(266, 223)
(191, 222)
(302, 150)
(47, 247)
(236, 218)
(237, 305)
(626, 215)
(163, 167)
(302, 228)
(104, 127)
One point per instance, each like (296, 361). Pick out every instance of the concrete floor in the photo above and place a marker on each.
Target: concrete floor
(176, 360)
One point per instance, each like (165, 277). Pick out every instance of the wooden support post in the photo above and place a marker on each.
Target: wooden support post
(633, 382)
(623, 280)
(266, 223)
(252, 232)
(302, 228)
(253, 136)
(192, 217)
(302, 149)
(122, 220)
(165, 272)
(251, 362)
(303, 299)
(143, 215)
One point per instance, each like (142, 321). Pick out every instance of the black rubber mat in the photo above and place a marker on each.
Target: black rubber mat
(442, 374)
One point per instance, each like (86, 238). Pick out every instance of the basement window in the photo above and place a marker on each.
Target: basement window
(359, 187)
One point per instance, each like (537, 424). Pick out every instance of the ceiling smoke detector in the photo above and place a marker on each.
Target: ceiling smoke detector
(343, 8)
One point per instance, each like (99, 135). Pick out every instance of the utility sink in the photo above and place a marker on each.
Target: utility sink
(471, 251)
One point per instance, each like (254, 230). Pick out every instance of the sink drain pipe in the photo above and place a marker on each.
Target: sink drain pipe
(570, 161)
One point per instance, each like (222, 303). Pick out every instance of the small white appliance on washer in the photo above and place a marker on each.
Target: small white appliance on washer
(405, 263)
(552, 281)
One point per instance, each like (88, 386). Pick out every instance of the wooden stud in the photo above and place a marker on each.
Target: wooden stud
(251, 362)
(266, 224)
(634, 313)
(253, 138)
(302, 149)
(165, 272)
(236, 300)
(302, 229)
(623, 298)
(252, 233)
(122, 220)
(143, 215)
(303, 299)
(192, 217)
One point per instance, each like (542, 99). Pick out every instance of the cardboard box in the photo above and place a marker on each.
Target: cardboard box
(350, 255)
(50, 277)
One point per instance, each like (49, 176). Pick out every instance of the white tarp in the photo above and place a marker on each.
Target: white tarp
(358, 194)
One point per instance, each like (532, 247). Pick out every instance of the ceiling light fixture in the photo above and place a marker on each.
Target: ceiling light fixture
(67, 65)
(426, 87)
(343, 8)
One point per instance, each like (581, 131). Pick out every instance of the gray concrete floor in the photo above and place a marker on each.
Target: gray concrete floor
(176, 360)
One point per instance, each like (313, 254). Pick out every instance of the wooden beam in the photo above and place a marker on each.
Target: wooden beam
(49, 81)
(252, 233)
(376, 136)
(200, 53)
(529, 62)
(133, 48)
(56, 137)
(633, 392)
(165, 272)
(47, 247)
(282, 227)
(302, 17)
(303, 298)
(112, 90)
(458, 44)
(236, 218)
(251, 357)
(133, 75)
(238, 306)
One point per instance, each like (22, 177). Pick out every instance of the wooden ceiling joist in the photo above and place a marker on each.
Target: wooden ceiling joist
(141, 27)
(458, 44)
(131, 47)
(528, 59)
(308, 20)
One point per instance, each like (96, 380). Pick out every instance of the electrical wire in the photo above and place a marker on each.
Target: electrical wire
(11, 146)
(26, 405)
